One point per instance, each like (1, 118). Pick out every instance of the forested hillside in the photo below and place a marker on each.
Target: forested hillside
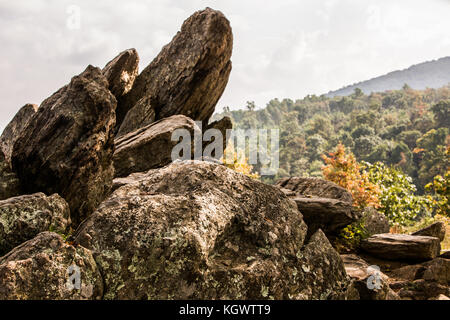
(406, 129)
(430, 74)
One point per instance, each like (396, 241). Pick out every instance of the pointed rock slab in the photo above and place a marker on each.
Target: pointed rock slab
(436, 229)
(222, 126)
(67, 147)
(15, 128)
(402, 246)
(371, 283)
(198, 230)
(150, 147)
(9, 183)
(23, 217)
(40, 269)
(187, 77)
(121, 72)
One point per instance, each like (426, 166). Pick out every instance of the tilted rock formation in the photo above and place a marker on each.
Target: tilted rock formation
(121, 72)
(222, 125)
(67, 147)
(39, 269)
(198, 230)
(371, 284)
(9, 183)
(323, 204)
(23, 217)
(436, 229)
(150, 147)
(15, 128)
(187, 77)
(402, 246)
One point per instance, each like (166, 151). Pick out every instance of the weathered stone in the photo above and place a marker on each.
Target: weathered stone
(445, 255)
(121, 72)
(15, 128)
(436, 229)
(39, 269)
(67, 147)
(150, 147)
(222, 125)
(324, 204)
(374, 222)
(437, 270)
(142, 113)
(198, 230)
(324, 213)
(315, 187)
(187, 77)
(9, 183)
(402, 246)
(421, 290)
(363, 274)
(23, 217)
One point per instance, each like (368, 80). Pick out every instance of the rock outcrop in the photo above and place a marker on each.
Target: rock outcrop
(23, 217)
(372, 284)
(187, 77)
(402, 246)
(222, 125)
(67, 147)
(15, 128)
(9, 183)
(121, 72)
(151, 147)
(324, 205)
(46, 267)
(436, 229)
(198, 230)
(374, 222)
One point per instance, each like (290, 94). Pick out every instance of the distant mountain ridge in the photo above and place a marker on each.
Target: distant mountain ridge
(430, 74)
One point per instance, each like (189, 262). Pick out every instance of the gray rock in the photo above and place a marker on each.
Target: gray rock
(187, 77)
(121, 72)
(360, 271)
(39, 270)
(23, 217)
(198, 230)
(150, 147)
(67, 147)
(436, 229)
(402, 246)
(374, 222)
(15, 128)
(9, 183)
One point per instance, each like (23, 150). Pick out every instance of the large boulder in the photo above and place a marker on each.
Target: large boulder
(67, 147)
(324, 204)
(372, 284)
(23, 217)
(121, 72)
(436, 229)
(437, 270)
(47, 268)
(150, 147)
(402, 246)
(15, 128)
(187, 77)
(198, 230)
(9, 183)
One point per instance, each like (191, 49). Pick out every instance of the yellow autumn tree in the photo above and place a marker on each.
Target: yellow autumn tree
(237, 161)
(343, 169)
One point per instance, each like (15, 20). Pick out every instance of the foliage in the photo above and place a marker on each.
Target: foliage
(408, 129)
(343, 169)
(238, 162)
(439, 191)
(351, 236)
(397, 196)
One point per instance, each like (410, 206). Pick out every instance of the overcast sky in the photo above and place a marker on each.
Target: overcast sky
(282, 48)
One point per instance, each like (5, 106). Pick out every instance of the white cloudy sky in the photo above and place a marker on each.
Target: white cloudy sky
(282, 48)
